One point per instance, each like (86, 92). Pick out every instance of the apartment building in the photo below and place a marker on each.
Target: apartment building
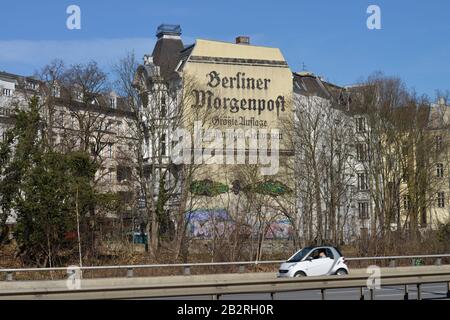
(108, 121)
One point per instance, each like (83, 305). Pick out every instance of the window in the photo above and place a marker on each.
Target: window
(110, 175)
(440, 170)
(441, 199)
(61, 118)
(360, 124)
(113, 102)
(72, 121)
(56, 92)
(163, 144)
(7, 92)
(363, 210)
(110, 150)
(123, 173)
(119, 127)
(31, 85)
(163, 106)
(147, 172)
(4, 136)
(438, 143)
(363, 182)
(315, 253)
(329, 253)
(361, 152)
(5, 112)
(125, 196)
(407, 202)
(79, 96)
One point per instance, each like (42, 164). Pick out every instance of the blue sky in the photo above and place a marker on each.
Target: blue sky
(330, 37)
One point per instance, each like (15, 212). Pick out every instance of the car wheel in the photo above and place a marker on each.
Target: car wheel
(299, 274)
(341, 272)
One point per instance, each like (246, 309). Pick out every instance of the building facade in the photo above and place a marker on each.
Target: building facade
(222, 92)
(108, 128)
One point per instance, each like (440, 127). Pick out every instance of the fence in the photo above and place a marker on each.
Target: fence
(217, 289)
(186, 268)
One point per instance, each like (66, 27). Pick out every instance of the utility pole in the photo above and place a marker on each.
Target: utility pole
(78, 230)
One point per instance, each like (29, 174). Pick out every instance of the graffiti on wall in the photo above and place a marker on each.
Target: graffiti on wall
(205, 224)
(281, 229)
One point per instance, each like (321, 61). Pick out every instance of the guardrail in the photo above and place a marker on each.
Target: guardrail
(242, 264)
(216, 289)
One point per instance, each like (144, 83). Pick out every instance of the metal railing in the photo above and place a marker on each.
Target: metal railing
(217, 288)
(241, 264)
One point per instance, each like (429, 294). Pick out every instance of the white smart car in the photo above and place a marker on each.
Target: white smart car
(314, 261)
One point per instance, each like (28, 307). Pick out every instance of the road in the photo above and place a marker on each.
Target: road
(436, 291)
(101, 288)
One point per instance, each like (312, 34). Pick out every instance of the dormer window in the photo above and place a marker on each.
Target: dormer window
(113, 102)
(32, 85)
(79, 96)
(7, 92)
(56, 91)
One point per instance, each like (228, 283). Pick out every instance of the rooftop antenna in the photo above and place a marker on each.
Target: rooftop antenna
(303, 66)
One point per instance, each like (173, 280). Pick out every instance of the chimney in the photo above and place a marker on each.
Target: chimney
(243, 40)
(168, 31)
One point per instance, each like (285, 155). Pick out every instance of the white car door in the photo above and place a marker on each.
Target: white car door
(318, 266)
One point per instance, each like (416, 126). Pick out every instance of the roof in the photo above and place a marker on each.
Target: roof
(221, 49)
(230, 53)
(166, 55)
(102, 99)
(308, 84)
(6, 76)
(184, 55)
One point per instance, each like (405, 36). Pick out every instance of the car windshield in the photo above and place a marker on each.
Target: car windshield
(300, 255)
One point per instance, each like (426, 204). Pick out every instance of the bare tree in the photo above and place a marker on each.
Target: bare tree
(322, 138)
(399, 153)
(160, 107)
